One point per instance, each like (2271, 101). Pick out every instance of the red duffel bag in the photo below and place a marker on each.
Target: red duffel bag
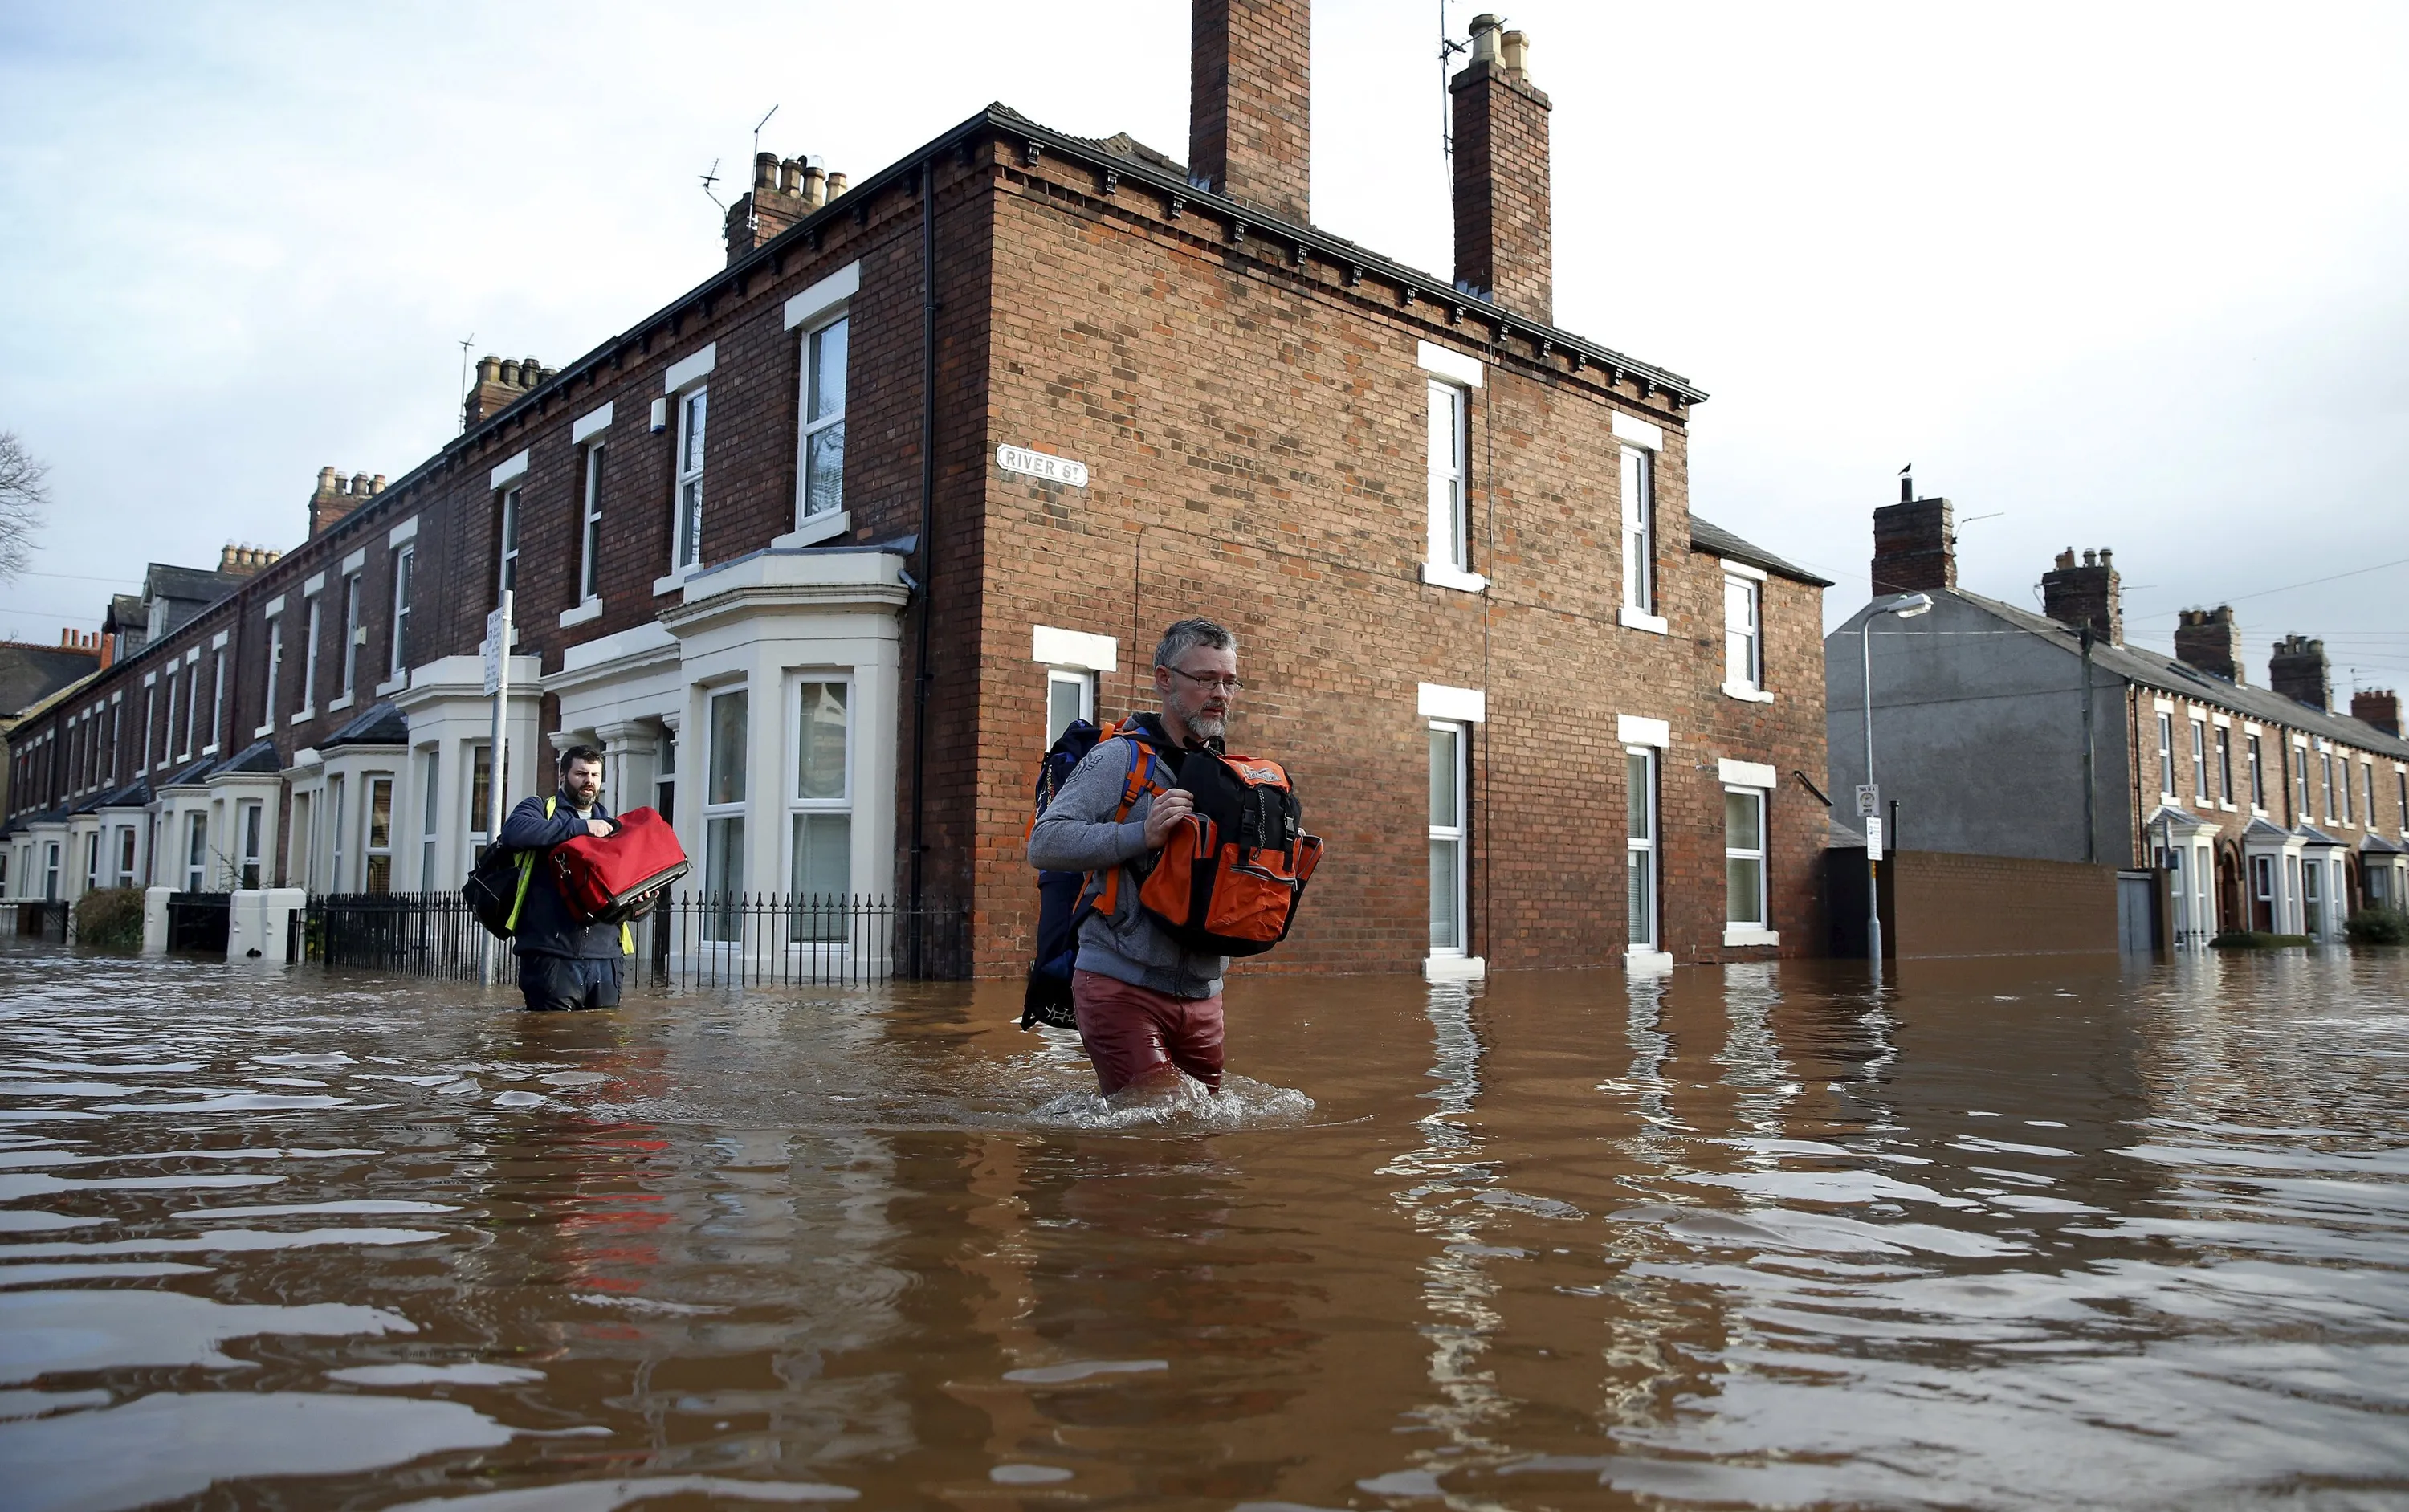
(602, 875)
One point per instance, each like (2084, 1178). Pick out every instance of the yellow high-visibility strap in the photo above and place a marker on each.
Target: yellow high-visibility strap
(526, 874)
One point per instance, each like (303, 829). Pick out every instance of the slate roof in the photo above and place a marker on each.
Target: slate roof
(1704, 536)
(30, 673)
(126, 613)
(134, 795)
(2163, 672)
(165, 580)
(191, 774)
(258, 756)
(379, 724)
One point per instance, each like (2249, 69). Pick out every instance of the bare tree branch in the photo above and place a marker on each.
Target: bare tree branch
(24, 489)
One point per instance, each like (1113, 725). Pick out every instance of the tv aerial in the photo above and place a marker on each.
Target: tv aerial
(710, 179)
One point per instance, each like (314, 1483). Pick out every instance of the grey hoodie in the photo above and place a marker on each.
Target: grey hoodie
(1077, 834)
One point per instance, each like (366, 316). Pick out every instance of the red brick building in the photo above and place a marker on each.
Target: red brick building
(823, 550)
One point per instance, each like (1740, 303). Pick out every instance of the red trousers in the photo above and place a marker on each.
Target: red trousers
(1131, 1033)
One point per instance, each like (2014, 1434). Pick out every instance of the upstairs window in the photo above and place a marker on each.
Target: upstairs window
(2325, 761)
(2199, 760)
(823, 422)
(2225, 766)
(693, 409)
(216, 699)
(405, 563)
(506, 574)
(1450, 524)
(309, 664)
(1743, 638)
(589, 534)
(2342, 791)
(1639, 531)
(2257, 775)
(2166, 756)
(353, 633)
(2300, 765)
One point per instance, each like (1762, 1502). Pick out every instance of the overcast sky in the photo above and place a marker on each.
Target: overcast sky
(2116, 275)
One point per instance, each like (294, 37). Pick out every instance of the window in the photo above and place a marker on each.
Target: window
(2368, 787)
(405, 562)
(692, 411)
(1742, 648)
(217, 700)
(197, 851)
(191, 703)
(2325, 761)
(723, 798)
(2225, 766)
(251, 821)
(117, 729)
(125, 857)
(665, 778)
(822, 462)
(167, 735)
(309, 662)
(2401, 798)
(2166, 756)
(1069, 696)
(1638, 532)
(151, 708)
(2199, 760)
(1639, 847)
(431, 822)
(1451, 534)
(2262, 893)
(2342, 790)
(2313, 902)
(589, 534)
(353, 633)
(821, 807)
(1744, 856)
(92, 861)
(275, 664)
(51, 871)
(1449, 881)
(335, 878)
(506, 574)
(2300, 765)
(378, 848)
(481, 789)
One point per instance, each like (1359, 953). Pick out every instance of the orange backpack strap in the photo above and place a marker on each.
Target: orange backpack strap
(1104, 887)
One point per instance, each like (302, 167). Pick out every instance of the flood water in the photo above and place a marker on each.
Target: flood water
(2053, 1233)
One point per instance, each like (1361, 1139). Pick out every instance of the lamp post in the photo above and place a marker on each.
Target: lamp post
(1906, 607)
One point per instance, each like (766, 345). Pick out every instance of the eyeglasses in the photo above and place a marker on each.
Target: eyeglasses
(1227, 685)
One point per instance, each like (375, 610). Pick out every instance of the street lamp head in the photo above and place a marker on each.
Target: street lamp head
(1913, 605)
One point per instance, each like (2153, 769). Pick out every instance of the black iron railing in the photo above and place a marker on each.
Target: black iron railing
(44, 919)
(690, 939)
(200, 921)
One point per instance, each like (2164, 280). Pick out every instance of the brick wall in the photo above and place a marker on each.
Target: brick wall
(1999, 905)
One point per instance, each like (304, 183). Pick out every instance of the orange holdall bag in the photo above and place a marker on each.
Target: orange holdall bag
(1232, 873)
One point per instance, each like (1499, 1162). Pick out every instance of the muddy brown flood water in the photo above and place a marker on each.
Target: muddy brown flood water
(2027, 1234)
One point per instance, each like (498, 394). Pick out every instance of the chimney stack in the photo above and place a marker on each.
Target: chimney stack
(334, 497)
(1915, 545)
(2379, 707)
(1250, 101)
(2298, 670)
(2090, 595)
(2210, 640)
(784, 192)
(501, 381)
(1503, 241)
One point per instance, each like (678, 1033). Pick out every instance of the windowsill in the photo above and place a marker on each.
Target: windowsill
(339, 705)
(304, 716)
(2226, 808)
(590, 610)
(1746, 694)
(210, 749)
(1449, 575)
(264, 732)
(395, 685)
(675, 582)
(1641, 961)
(1632, 619)
(1454, 968)
(826, 525)
(1749, 934)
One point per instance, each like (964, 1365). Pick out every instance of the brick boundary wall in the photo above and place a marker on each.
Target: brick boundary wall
(1947, 904)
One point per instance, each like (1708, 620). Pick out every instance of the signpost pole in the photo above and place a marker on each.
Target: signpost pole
(497, 686)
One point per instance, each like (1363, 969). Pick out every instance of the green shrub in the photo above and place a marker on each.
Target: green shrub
(2377, 926)
(109, 918)
(2254, 940)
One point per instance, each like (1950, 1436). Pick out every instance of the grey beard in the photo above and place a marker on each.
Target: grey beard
(1207, 726)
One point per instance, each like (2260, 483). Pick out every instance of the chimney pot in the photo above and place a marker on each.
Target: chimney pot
(765, 170)
(1514, 51)
(790, 176)
(837, 183)
(1484, 38)
(360, 484)
(326, 480)
(814, 185)
(2066, 559)
(530, 371)
(376, 484)
(510, 372)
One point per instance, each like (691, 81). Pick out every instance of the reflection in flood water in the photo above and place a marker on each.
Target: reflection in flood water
(2007, 1235)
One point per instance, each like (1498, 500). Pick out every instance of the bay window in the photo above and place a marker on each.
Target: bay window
(820, 813)
(723, 809)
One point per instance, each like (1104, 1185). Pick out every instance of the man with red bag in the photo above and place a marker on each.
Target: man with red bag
(563, 963)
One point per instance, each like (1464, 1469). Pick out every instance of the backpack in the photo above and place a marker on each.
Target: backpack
(1064, 900)
(1232, 873)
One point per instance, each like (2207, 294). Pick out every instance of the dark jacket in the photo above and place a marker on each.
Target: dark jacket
(546, 926)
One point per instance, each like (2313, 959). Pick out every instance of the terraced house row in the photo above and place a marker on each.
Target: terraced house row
(822, 551)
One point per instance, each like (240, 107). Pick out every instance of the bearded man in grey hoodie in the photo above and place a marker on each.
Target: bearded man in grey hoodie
(1149, 1008)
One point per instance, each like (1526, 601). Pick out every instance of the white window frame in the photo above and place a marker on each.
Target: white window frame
(430, 814)
(2342, 790)
(1759, 930)
(192, 700)
(2225, 766)
(1448, 549)
(371, 851)
(151, 711)
(718, 814)
(129, 845)
(1646, 849)
(250, 826)
(2325, 763)
(1743, 643)
(589, 526)
(1083, 685)
(2368, 769)
(693, 406)
(478, 837)
(807, 428)
(405, 567)
(2200, 790)
(1635, 492)
(2256, 757)
(507, 527)
(336, 881)
(799, 808)
(217, 701)
(167, 735)
(2166, 753)
(196, 850)
(1458, 835)
(310, 658)
(275, 619)
(2300, 784)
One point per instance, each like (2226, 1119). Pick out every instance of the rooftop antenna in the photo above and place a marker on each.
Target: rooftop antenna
(710, 179)
(1446, 52)
(463, 405)
(752, 210)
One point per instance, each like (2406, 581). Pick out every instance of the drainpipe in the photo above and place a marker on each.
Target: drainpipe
(927, 541)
